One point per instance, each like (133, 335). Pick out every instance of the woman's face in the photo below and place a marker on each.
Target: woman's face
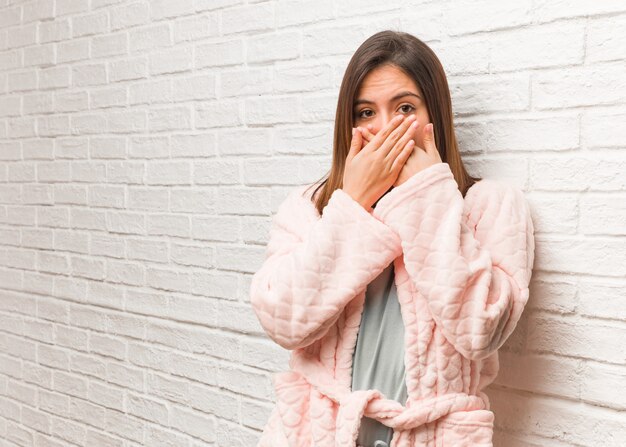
(386, 92)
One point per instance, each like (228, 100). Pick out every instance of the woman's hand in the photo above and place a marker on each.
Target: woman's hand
(420, 158)
(372, 168)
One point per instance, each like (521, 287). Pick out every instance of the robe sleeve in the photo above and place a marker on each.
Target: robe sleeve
(314, 266)
(470, 258)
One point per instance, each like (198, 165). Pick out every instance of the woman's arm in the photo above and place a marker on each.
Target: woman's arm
(315, 265)
(471, 259)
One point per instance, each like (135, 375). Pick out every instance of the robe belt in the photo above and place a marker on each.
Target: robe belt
(373, 404)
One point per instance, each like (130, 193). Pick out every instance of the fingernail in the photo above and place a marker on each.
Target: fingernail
(353, 131)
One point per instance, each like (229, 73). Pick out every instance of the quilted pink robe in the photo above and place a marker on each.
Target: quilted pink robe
(462, 271)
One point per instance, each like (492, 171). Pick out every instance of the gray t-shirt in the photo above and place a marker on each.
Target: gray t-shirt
(378, 359)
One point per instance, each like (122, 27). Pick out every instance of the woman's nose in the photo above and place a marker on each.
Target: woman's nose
(381, 123)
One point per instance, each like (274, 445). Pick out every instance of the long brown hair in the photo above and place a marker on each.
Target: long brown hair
(418, 61)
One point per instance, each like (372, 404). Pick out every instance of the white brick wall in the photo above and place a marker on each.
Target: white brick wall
(144, 146)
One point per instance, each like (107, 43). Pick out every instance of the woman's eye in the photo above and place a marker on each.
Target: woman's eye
(405, 108)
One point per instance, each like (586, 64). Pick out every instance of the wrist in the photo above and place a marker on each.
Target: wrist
(360, 200)
(364, 203)
(368, 208)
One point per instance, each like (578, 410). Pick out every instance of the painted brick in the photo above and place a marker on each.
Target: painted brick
(143, 152)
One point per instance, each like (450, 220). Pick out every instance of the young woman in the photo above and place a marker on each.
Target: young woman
(397, 279)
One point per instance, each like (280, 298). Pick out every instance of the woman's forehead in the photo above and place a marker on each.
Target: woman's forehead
(386, 84)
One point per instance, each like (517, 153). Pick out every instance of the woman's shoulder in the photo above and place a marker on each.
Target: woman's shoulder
(298, 204)
(491, 189)
(301, 194)
(490, 197)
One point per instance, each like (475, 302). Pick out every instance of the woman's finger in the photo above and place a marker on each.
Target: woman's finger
(380, 138)
(367, 135)
(429, 138)
(355, 144)
(407, 137)
(368, 132)
(396, 135)
(403, 156)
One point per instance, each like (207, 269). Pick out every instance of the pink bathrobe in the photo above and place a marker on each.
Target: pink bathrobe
(462, 270)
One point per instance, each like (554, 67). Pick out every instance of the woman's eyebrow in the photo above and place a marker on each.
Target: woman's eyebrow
(397, 96)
